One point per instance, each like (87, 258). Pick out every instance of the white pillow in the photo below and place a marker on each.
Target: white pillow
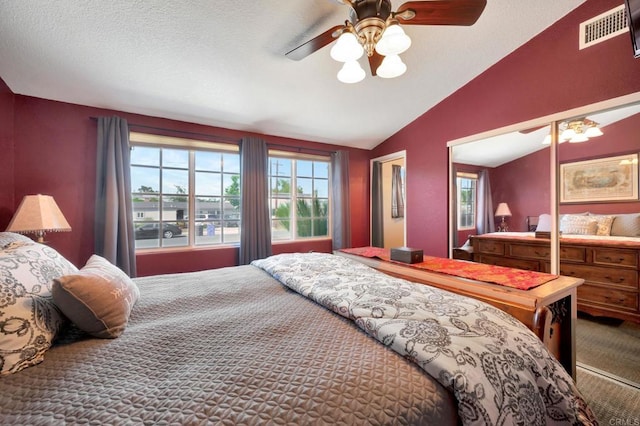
(29, 320)
(544, 223)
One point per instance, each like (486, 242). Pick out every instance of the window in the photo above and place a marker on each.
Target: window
(303, 183)
(466, 184)
(184, 193)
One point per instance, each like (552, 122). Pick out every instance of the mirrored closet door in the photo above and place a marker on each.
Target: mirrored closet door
(583, 190)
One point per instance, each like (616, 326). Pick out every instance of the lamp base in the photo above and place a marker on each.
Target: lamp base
(503, 227)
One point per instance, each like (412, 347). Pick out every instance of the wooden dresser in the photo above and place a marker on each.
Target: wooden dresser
(611, 270)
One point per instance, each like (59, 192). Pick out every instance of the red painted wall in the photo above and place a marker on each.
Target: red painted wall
(547, 75)
(523, 184)
(55, 154)
(6, 154)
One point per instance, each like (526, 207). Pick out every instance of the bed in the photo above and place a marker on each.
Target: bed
(292, 339)
(604, 250)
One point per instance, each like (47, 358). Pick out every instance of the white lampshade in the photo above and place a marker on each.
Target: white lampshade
(351, 72)
(593, 132)
(579, 137)
(503, 210)
(567, 134)
(391, 67)
(347, 48)
(394, 41)
(38, 214)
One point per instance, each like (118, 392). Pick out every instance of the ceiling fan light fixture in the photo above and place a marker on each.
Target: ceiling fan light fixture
(347, 48)
(391, 67)
(351, 72)
(394, 41)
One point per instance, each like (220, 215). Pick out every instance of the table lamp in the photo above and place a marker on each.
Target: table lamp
(38, 214)
(503, 210)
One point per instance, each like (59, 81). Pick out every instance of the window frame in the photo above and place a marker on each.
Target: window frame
(459, 204)
(192, 146)
(294, 197)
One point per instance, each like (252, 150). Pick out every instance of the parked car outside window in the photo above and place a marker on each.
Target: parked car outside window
(150, 230)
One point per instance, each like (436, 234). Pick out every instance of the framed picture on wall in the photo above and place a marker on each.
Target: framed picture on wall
(601, 179)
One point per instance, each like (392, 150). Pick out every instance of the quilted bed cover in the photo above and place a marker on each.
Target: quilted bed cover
(227, 346)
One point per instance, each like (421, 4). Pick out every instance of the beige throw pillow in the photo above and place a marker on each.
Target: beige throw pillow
(604, 224)
(98, 299)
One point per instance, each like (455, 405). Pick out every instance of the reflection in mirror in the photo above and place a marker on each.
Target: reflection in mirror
(500, 178)
(599, 188)
(388, 181)
(598, 216)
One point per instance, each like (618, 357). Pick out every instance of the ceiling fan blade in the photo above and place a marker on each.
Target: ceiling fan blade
(374, 62)
(441, 12)
(315, 43)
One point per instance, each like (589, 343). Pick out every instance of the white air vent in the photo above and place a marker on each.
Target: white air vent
(603, 27)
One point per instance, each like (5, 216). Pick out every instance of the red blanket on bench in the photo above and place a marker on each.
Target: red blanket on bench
(509, 277)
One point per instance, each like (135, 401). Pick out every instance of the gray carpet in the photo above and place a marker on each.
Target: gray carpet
(610, 346)
(612, 402)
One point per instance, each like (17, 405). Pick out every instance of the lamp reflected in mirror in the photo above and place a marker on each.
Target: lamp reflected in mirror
(503, 211)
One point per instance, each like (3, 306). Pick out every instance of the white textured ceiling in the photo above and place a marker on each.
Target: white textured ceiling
(222, 62)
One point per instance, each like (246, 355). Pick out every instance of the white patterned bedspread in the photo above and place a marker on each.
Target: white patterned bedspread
(498, 370)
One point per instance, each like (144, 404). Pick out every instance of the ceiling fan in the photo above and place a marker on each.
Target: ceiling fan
(373, 28)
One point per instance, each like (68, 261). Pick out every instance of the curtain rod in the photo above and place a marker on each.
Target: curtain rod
(224, 138)
(300, 149)
(185, 132)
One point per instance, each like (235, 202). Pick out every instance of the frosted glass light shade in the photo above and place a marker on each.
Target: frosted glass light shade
(593, 132)
(579, 137)
(347, 48)
(351, 72)
(567, 134)
(394, 41)
(391, 67)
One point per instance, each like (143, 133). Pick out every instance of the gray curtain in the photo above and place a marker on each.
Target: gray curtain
(255, 220)
(397, 194)
(341, 223)
(484, 222)
(114, 238)
(377, 221)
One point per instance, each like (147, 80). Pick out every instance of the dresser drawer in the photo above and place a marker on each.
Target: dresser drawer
(616, 298)
(574, 254)
(616, 257)
(530, 251)
(509, 262)
(491, 247)
(617, 276)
